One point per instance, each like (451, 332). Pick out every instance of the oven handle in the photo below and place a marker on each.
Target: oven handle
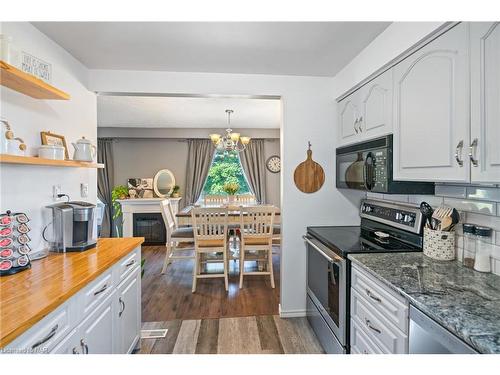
(320, 251)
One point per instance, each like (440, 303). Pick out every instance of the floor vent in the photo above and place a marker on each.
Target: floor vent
(153, 333)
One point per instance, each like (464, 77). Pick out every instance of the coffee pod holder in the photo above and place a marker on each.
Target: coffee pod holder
(14, 243)
(439, 245)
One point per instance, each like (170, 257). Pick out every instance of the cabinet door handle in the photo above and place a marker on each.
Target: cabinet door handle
(130, 263)
(355, 123)
(372, 296)
(458, 153)
(369, 325)
(472, 152)
(122, 303)
(85, 347)
(104, 287)
(46, 338)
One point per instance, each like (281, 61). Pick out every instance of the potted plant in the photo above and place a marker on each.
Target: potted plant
(231, 188)
(119, 192)
(175, 191)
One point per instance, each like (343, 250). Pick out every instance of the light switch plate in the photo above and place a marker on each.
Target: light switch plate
(84, 190)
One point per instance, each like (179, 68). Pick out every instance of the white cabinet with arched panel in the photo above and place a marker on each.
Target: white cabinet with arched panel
(484, 147)
(376, 106)
(349, 113)
(367, 112)
(431, 111)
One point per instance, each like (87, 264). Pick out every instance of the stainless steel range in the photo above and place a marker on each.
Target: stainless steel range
(385, 227)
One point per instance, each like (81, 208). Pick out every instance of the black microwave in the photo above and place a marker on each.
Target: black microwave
(368, 166)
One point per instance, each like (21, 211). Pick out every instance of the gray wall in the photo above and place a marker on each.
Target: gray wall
(144, 157)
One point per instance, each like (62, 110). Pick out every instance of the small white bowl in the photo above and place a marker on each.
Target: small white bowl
(51, 152)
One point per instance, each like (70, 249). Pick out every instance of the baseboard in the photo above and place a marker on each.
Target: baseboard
(291, 313)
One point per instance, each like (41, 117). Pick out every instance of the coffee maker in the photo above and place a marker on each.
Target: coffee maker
(73, 224)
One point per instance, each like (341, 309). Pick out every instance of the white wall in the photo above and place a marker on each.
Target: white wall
(308, 115)
(28, 188)
(392, 42)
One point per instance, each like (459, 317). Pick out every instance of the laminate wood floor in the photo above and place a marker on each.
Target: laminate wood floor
(168, 297)
(266, 334)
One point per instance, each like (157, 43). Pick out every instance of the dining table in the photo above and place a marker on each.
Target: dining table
(184, 215)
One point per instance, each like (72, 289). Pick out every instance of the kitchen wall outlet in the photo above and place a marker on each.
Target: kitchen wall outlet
(56, 190)
(84, 190)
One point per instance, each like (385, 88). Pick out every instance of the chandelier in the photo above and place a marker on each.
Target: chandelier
(230, 142)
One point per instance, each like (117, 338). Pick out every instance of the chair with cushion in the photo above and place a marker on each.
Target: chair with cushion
(256, 227)
(174, 235)
(213, 200)
(210, 237)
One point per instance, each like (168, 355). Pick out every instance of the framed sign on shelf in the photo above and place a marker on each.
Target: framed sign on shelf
(35, 66)
(49, 138)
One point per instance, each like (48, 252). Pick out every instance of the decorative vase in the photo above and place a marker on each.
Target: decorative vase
(175, 195)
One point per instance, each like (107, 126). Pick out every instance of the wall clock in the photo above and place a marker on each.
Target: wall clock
(273, 164)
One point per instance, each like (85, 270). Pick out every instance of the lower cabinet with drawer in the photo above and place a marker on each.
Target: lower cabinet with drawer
(379, 316)
(102, 318)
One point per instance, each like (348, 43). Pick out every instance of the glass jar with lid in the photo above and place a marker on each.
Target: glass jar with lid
(484, 247)
(469, 251)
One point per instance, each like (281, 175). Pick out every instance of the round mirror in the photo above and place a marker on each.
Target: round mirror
(163, 183)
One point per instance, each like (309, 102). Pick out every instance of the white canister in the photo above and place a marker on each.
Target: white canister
(8, 52)
(484, 249)
(53, 152)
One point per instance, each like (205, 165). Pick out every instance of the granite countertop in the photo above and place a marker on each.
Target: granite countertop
(464, 301)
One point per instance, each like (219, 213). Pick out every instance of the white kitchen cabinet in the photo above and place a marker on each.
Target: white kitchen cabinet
(69, 345)
(376, 106)
(361, 342)
(128, 311)
(96, 332)
(379, 316)
(349, 114)
(431, 110)
(367, 112)
(103, 317)
(485, 102)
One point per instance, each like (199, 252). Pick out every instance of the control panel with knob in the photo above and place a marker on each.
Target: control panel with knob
(403, 216)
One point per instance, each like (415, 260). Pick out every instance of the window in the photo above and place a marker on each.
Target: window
(225, 168)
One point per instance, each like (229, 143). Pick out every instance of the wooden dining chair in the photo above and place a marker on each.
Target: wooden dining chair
(175, 235)
(214, 200)
(210, 236)
(246, 199)
(256, 227)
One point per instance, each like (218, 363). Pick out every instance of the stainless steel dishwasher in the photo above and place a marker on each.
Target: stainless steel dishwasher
(428, 337)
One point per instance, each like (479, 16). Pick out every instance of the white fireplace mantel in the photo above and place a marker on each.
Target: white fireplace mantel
(141, 205)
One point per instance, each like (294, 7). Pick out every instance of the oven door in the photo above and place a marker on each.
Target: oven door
(326, 285)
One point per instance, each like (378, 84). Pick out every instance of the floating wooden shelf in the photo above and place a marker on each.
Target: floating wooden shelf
(28, 84)
(33, 160)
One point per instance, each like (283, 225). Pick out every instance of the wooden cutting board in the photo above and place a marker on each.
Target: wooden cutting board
(309, 175)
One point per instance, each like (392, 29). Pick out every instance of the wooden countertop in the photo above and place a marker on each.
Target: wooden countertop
(28, 296)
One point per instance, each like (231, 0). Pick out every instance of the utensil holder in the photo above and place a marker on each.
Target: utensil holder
(439, 245)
